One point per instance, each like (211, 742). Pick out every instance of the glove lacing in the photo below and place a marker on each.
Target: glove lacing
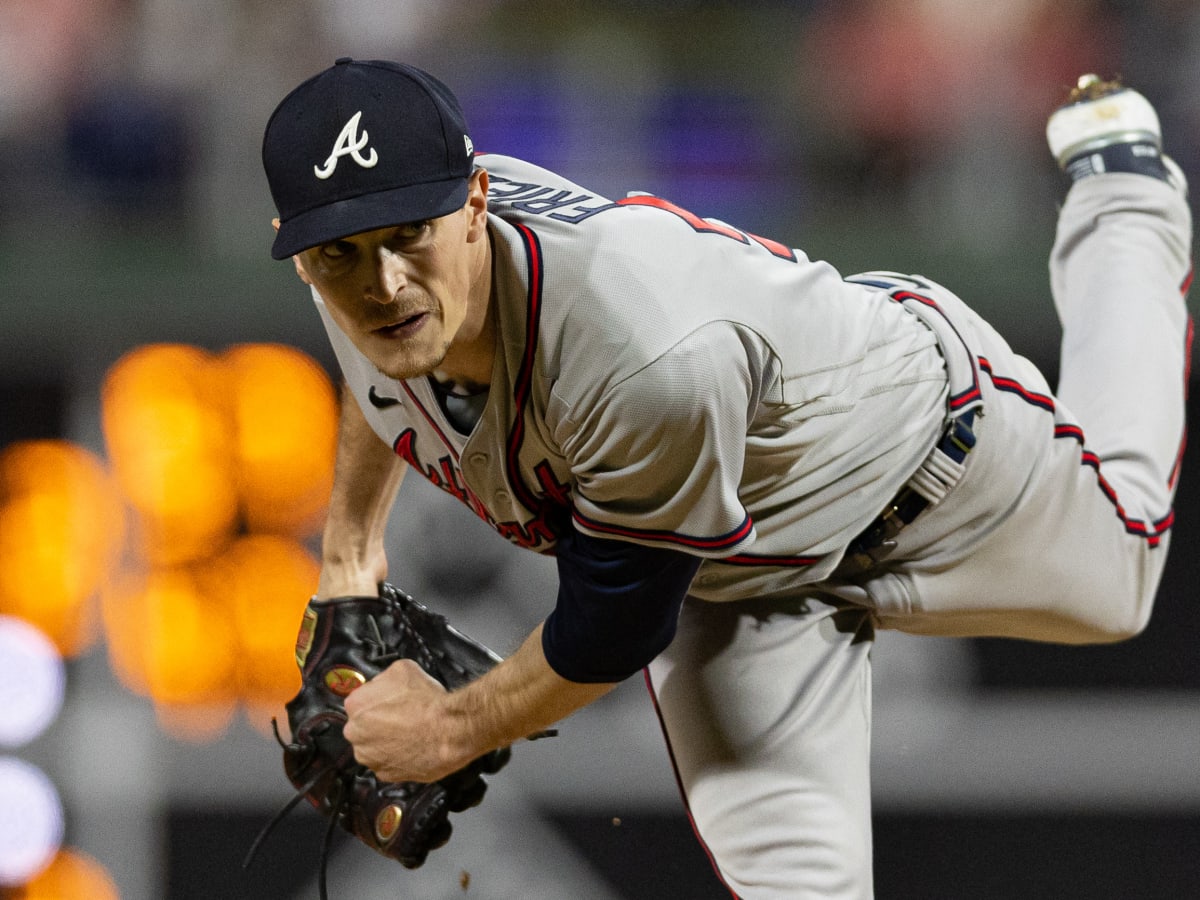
(301, 793)
(338, 802)
(381, 654)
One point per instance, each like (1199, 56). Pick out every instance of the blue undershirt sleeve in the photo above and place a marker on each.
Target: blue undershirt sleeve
(618, 605)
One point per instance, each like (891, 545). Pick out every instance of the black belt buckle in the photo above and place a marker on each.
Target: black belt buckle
(877, 541)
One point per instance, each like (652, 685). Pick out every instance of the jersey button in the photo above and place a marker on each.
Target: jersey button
(478, 459)
(502, 497)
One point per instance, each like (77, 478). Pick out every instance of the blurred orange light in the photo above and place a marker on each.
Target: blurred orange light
(266, 580)
(71, 875)
(61, 530)
(170, 443)
(195, 724)
(125, 628)
(204, 448)
(285, 415)
(169, 640)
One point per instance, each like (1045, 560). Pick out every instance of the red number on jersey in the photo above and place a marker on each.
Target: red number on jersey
(705, 226)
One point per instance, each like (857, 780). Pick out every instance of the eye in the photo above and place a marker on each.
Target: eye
(337, 249)
(411, 231)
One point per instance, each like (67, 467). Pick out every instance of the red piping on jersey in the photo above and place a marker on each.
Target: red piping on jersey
(524, 380)
(1153, 532)
(971, 394)
(1187, 374)
(1069, 431)
(719, 542)
(428, 418)
(679, 784)
(754, 559)
(1014, 387)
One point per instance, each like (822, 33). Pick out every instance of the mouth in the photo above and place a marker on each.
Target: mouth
(402, 327)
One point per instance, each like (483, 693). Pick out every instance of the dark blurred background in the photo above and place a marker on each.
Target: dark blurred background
(876, 134)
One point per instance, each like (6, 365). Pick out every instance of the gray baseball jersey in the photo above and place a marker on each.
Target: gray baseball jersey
(679, 382)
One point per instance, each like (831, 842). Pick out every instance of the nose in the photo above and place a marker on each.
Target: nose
(388, 277)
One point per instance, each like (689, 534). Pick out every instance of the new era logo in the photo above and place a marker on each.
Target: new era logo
(349, 143)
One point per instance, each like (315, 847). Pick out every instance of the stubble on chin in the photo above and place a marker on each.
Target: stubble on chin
(407, 368)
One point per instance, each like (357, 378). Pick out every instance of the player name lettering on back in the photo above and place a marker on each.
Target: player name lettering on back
(539, 200)
(574, 207)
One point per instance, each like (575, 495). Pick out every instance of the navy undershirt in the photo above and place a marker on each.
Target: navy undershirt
(618, 605)
(461, 409)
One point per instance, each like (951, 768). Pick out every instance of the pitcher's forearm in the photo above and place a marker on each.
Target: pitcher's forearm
(405, 726)
(520, 697)
(367, 478)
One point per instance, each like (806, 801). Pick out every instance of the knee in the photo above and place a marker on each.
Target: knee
(1116, 616)
(832, 865)
(1118, 628)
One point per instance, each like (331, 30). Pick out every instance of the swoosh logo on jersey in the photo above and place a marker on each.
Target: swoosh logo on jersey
(380, 402)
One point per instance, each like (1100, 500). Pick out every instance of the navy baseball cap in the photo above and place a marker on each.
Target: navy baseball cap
(364, 145)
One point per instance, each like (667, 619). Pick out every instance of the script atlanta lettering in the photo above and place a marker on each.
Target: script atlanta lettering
(536, 534)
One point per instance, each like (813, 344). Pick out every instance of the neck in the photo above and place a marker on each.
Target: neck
(469, 361)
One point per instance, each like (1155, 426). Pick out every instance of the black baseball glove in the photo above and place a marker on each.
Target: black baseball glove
(343, 643)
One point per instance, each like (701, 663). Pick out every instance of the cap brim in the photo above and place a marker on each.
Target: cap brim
(413, 203)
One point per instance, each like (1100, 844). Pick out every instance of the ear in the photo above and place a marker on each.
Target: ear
(295, 259)
(477, 205)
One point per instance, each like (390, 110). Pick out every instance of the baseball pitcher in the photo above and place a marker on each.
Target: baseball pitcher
(743, 462)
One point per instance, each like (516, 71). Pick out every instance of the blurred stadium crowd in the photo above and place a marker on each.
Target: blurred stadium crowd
(120, 110)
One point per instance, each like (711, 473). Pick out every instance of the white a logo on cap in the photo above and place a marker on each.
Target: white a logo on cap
(348, 143)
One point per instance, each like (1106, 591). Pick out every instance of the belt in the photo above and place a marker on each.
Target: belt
(877, 540)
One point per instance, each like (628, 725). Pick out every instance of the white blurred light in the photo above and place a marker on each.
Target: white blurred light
(31, 682)
(31, 821)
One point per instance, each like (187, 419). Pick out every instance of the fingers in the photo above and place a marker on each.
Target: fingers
(392, 723)
(402, 683)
